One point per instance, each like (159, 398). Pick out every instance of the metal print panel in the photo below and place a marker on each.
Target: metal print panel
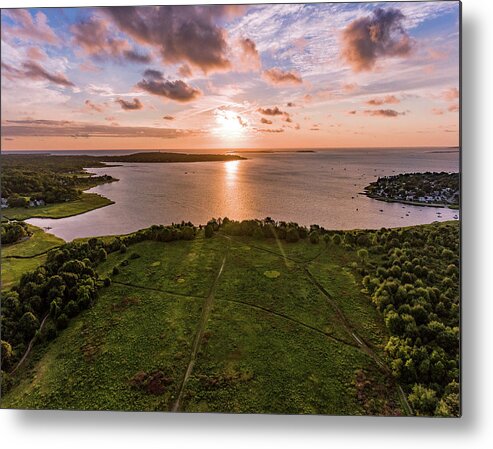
(234, 208)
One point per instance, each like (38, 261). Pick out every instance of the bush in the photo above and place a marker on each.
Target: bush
(292, 235)
(336, 239)
(209, 231)
(314, 237)
(29, 324)
(62, 322)
(6, 356)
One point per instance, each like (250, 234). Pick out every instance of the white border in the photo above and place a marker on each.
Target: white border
(22, 429)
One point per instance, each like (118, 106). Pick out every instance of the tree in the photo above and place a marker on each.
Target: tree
(29, 324)
(102, 255)
(71, 309)
(292, 235)
(62, 321)
(258, 233)
(314, 237)
(336, 239)
(363, 255)
(423, 400)
(209, 231)
(6, 355)
(188, 233)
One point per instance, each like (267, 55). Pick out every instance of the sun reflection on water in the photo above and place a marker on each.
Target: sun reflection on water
(231, 168)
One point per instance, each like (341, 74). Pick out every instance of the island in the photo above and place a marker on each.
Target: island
(423, 189)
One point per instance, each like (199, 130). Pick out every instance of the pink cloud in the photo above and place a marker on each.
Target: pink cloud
(378, 35)
(28, 28)
(278, 76)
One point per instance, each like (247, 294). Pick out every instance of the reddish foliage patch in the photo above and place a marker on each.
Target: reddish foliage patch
(154, 382)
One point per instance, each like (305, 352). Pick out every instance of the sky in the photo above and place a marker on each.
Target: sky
(230, 77)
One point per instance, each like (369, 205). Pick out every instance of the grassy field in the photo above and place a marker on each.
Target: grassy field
(221, 324)
(87, 202)
(13, 269)
(26, 255)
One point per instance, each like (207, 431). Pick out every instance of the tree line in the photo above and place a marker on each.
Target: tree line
(66, 284)
(13, 232)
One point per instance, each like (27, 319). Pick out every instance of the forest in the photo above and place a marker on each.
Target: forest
(55, 179)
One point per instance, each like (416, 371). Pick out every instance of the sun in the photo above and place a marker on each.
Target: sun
(229, 124)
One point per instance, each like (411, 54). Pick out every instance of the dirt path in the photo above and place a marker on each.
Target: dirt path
(293, 320)
(29, 347)
(360, 343)
(153, 289)
(359, 340)
(206, 309)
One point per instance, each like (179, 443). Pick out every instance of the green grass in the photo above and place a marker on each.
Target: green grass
(87, 202)
(271, 343)
(13, 269)
(91, 364)
(39, 242)
(254, 362)
(26, 255)
(332, 270)
(184, 267)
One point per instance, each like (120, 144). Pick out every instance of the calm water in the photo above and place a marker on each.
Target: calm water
(322, 187)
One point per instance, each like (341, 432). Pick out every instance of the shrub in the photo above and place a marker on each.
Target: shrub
(292, 235)
(314, 237)
(209, 231)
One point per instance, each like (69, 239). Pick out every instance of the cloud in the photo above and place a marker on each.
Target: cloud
(265, 121)
(271, 111)
(181, 34)
(65, 128)
(242, 122)
(155, 83)
(168, 117)
(349, 87)
(269, 130)
(28, 29)
(185, 71)
(34, 71)
(134, 105)
(453, 108)
(94, 106)
(88, 66)
(249, 55)
(389, 99)
(36, 53)
(383, 113)
(155, 75)
(379, 35)
(290, 104)
(278, 76)
(94, 38)
(437, 111)
(450, 94)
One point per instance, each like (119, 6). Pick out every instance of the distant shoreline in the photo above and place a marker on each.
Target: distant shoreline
(411, 203)
(223, 151)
